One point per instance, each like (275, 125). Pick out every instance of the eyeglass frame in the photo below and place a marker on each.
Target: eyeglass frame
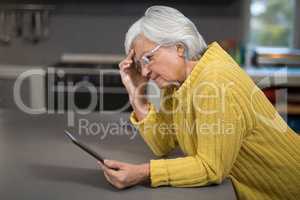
(144, 60)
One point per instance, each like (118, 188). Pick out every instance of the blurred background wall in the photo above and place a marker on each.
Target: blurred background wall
(100, 28)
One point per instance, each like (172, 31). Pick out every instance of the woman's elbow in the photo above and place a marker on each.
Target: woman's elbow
(158, 151)
(217, 177)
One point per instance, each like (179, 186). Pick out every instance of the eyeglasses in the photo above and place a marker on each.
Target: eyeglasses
(145, 59)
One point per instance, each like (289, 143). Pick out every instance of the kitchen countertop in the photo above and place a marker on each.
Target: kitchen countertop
(38, 162)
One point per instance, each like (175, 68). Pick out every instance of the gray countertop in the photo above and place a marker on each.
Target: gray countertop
(38, 162)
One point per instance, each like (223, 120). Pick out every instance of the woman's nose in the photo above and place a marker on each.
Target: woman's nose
(146, 71)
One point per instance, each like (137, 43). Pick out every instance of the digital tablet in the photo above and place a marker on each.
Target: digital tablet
(84, 147)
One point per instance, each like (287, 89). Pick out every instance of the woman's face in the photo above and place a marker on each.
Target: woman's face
(167, 64)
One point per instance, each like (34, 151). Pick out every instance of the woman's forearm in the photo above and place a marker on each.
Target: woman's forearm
(139, 102)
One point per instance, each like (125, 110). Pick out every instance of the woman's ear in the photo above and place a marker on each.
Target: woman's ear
(180, 50)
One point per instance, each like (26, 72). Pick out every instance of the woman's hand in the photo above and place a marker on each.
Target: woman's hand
(131, 78)
(122, 175)
(135, 85)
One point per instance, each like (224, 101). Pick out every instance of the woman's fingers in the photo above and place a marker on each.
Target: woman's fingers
(112, 167)
(114, 177)
(102, 166)
(127, 62)
(109, 168)
(113, 164)
(114, 181)
(108, 178)
(131, 54)
(111, 173)
(126, 66)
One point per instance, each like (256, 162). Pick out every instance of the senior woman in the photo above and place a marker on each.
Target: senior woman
(210, 108)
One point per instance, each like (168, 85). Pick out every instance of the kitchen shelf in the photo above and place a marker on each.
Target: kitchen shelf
(92, 58)
(291, 109)
(273, 76)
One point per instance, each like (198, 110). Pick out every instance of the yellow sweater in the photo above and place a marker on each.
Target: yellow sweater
(226, 127)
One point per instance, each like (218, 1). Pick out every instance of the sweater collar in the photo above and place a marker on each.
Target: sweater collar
(213, 51)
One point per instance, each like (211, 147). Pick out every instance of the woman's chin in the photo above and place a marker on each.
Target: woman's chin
(162, 83)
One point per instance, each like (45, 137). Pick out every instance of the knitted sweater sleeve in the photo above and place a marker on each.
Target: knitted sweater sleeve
(157, 127)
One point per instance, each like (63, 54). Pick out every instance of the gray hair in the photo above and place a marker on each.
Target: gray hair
(166, 25)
